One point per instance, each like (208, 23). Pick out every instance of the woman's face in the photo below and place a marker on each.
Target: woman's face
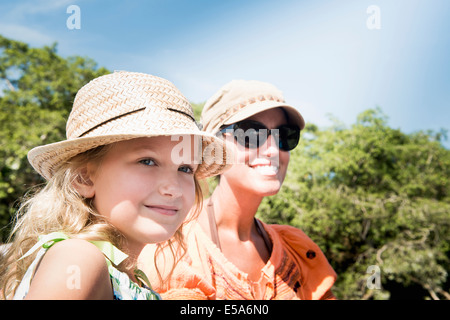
(261, 170)
(142, 190)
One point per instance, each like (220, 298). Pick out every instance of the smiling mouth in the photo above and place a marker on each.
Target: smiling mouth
(266, 170)
(164, 210)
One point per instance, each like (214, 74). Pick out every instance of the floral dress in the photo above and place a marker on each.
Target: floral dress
(123, 287)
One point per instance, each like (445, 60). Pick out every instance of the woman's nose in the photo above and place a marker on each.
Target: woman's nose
(270, 148)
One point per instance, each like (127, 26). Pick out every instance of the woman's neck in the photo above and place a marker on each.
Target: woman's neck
(234, 210)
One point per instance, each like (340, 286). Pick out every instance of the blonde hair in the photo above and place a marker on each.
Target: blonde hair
(59, 207)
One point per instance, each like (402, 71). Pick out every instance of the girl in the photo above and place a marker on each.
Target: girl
(113, 186)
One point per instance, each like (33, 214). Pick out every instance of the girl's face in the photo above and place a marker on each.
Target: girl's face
(261, 170)
(142, 190)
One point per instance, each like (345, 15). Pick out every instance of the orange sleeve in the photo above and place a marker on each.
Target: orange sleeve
(187, 284)
(317, 274)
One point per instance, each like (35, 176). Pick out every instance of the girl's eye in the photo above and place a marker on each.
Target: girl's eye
(186, 169)
(147, 162)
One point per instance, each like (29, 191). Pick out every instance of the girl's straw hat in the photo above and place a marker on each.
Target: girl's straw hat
(127, 105)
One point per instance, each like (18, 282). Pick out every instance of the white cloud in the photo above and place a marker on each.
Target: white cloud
(34, 7)
(25, 34)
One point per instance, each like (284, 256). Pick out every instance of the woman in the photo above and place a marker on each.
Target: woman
(232, 255)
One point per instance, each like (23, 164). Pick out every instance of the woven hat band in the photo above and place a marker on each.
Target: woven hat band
(128, 113)
(234, 109)
(100, 124)
(120, 93)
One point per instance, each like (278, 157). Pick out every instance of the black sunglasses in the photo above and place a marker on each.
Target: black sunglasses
(253, 134)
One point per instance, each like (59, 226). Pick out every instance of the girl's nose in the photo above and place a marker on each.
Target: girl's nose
(170, 186)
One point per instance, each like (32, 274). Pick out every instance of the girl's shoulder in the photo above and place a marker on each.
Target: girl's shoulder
(71, 269)
(76, 252)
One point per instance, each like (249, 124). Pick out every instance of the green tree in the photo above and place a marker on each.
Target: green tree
(198, 107)
(37, 90)
(371, 195)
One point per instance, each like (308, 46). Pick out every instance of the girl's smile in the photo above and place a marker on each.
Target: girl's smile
(165, 210)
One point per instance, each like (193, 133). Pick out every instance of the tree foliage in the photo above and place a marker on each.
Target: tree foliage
(372, 195)
(37, 91)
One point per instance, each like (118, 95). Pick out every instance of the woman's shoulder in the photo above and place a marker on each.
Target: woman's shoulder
(71, 269)
(287, 233)
(289, 236)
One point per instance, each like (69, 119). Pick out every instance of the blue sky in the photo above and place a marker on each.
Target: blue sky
(320, 53)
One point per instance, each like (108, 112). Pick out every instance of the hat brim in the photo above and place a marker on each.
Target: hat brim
(260, 106)
(47, 158)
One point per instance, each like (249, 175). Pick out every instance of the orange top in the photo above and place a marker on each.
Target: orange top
(297, 269)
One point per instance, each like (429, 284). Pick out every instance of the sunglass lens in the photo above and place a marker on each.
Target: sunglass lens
(253, 134)
(250, 134)
(289, 137)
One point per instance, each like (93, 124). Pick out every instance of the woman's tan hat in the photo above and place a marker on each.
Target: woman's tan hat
(122, 106)
(240, 99)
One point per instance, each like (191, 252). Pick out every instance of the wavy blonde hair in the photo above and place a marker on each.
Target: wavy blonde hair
(59, 207)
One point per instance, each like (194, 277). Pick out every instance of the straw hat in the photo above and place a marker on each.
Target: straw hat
(241, 99)
(122, 106)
